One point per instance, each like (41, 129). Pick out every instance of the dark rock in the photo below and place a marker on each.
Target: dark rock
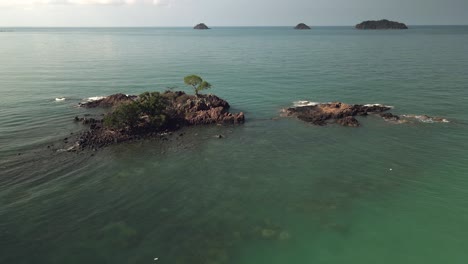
(302, 26)
(390, 117)
(322, 114)
(381, 24)
(348, 121)
(202, 110)
(110, 101)
(201, 26)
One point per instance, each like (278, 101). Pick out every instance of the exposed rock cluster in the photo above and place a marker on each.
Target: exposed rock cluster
(182, 110)
(340, 113)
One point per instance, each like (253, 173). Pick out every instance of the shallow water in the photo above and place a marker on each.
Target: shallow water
(274, 190)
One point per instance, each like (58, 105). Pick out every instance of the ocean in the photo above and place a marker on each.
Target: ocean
(274, 190)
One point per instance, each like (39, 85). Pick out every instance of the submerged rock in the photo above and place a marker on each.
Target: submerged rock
(409, 118)
(302, 26)
(268, 233)
(343, 114)
(381, 24)
(426, 118)
(390, 117)
(284, 235)
(201, 26)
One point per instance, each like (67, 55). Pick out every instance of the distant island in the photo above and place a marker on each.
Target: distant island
(381, 24)
(301, 26)
(201, 26)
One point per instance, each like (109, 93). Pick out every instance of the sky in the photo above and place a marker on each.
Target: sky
(177, 13)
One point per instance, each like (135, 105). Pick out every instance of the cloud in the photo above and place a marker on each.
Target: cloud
(82, 2)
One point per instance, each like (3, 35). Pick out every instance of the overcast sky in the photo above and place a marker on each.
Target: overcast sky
(228, 12)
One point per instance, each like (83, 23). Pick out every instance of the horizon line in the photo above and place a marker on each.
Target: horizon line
(211, 26)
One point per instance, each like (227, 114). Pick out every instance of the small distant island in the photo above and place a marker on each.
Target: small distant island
(301, 26)
(381, 24)
(201, 26)
(152, 114)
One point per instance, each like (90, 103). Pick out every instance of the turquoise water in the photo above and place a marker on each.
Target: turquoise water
(274, 190)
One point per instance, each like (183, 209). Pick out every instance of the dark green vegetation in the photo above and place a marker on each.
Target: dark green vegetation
(197, 83)
(149, 107)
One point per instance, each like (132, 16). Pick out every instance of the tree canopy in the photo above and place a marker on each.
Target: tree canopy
(197, 83)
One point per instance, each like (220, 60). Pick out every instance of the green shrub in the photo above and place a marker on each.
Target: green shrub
(125, 115)
(149, 106)
(152, 104)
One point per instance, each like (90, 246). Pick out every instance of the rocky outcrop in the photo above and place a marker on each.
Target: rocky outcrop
(203, 110)
(302, 26)
(201, 26)
(340, 113)
(182, 110)
(212, 116)
(109, 101)
(381, 24)
(390, 117)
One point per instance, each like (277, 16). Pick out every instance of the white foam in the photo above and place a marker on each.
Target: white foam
(60, 99)
(95, 98)
(381, 105)
(427, 119)
(309, 103)
(304, 103)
